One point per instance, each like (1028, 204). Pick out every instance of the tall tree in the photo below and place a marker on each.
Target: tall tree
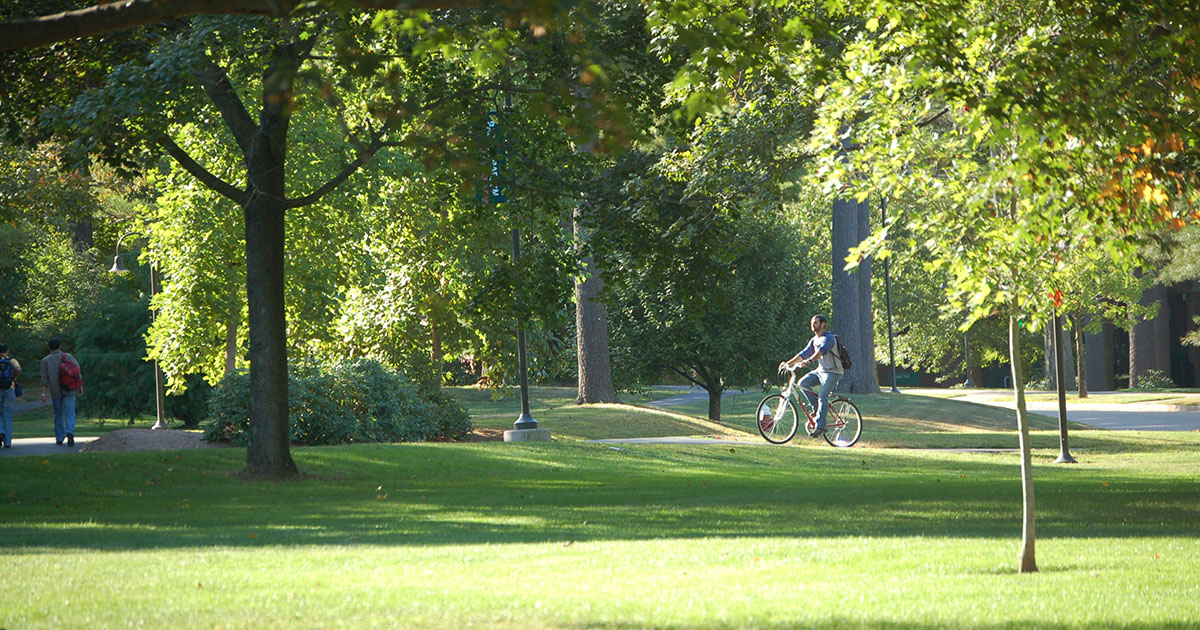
(290, 52)
(591, 330)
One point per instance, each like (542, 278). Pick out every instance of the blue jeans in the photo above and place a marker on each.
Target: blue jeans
(64, 417)
(827, 380)
(7, 398)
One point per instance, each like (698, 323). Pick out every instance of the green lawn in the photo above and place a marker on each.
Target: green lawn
(554, 408)
(912, 421)
(573, 535)
(40, 423)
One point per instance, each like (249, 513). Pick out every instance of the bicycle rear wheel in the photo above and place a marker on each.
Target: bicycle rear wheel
(776, 419)
(844, 426)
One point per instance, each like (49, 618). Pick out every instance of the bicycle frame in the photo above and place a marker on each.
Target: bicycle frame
(833, 420)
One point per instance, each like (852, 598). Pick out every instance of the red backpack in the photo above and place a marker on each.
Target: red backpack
(68, 375)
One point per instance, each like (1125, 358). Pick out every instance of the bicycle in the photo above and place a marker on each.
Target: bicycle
(777, 418)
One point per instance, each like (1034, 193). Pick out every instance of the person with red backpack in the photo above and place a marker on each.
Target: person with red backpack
(62, 382)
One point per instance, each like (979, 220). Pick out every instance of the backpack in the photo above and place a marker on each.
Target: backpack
(68, 375)
(6, 374)
(843, 354)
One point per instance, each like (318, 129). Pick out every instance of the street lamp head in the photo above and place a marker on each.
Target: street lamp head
(118, 266)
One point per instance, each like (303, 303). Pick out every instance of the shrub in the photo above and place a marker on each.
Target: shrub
(1153, 380)
(350, 401)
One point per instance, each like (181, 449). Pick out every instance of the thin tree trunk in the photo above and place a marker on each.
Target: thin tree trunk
(1028, 563)
(1080, 357)
(591, 331)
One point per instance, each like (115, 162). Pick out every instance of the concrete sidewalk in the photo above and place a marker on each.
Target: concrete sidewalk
(43, 446)
(1096, 401)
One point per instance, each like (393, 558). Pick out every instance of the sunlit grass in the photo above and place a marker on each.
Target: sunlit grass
(574, 535)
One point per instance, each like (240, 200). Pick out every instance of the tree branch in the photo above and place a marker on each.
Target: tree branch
(376, 143)
(687, 376)
(215, 82)
(932, 119)
(347, 170)
(199, 172)
(23, 34)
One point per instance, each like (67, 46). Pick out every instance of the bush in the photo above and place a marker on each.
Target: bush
(350, 401)
(1153, 380)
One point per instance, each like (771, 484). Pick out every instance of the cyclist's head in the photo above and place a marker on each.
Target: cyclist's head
(818, 323)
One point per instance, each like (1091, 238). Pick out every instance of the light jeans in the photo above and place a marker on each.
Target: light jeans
(7, 398)
(827, 380)
(64, 417)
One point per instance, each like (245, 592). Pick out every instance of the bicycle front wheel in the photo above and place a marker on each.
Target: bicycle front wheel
(845, 423)
(777, 419)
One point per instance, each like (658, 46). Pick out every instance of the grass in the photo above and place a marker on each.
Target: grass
(575, 535)
(555, 408)
(912, 421)
(39, 422)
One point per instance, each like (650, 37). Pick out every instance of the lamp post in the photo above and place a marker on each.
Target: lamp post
(887, 291)
(525, 421)
(159, 394)
(525, 429)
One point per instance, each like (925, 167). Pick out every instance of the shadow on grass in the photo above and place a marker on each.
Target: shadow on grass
(473, 494)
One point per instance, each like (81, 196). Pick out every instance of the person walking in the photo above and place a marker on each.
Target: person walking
(10, 369)
(822, 348)
(62, 383)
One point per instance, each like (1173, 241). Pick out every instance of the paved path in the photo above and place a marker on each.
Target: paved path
(1112, 415)
(695, 394)
(42, 446)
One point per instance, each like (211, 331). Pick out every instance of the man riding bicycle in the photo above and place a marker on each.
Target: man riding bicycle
(821, 348)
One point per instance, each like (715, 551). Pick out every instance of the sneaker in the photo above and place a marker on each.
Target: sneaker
(817, 432)
(58, 443)
(71, 438)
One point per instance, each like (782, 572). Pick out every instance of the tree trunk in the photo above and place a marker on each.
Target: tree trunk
(1028, 563)
(269, 451)
(1149, 341)
(851, 317)
(231, 329)
(591, 332)
(1080, 356)
(714, 403)
(866, 377)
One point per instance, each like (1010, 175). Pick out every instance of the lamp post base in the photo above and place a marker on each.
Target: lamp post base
(160, 425)
(527, 435)
(1065, 458)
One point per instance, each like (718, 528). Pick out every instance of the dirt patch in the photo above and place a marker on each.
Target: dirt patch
(148, 440)
(485, 435)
